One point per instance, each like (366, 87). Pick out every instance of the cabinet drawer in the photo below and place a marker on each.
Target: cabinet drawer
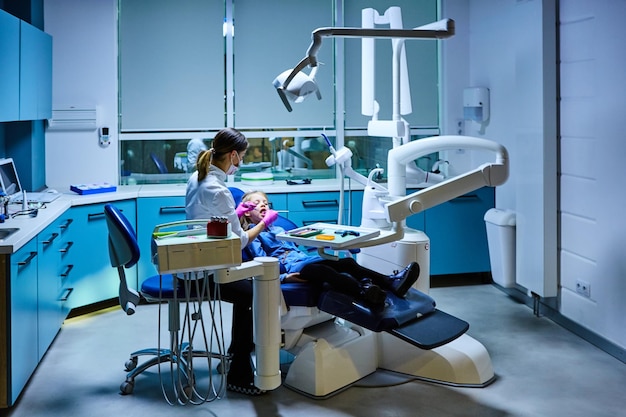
(313, 201)
(278, 201)
(305, 218)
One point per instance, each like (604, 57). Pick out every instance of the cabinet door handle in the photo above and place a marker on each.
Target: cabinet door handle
(165, 209)
(320, 203)
(66, 294)
(67, 271)
(66, 224)
(51, 239)
(310, 222)
(94, 216)
(27, 260)
(464, 198)
(66, 248)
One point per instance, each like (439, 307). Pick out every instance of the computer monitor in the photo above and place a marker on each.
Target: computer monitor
(8, 178)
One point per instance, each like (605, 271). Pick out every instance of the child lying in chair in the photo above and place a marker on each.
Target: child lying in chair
(343, 275)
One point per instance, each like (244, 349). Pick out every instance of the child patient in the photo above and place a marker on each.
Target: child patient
(343, 275)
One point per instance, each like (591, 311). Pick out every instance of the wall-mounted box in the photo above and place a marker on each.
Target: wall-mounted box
(73, 118)
(476, 104)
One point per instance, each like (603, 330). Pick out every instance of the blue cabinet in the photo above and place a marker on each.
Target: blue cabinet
(56, 268)
(93, 278)
(458, 237)
(23, 355)
(35, 73)
(456, 229)
(152, 211)
(36, 306)
(9, 67)
(25, 71)
(308, 208)
(278, 202)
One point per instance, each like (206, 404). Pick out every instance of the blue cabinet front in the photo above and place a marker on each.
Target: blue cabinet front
(56, 264)
(35, 73)
(94, 279)
(9, 67)
(24, 332)
(458, 237)
(152, 211)
(308, 208)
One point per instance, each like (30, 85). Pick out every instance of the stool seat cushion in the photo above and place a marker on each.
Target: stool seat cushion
(162, 287)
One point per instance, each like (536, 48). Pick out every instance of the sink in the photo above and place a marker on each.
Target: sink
(5, 233)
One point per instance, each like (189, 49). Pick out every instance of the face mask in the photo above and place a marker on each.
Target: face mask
(233, 168)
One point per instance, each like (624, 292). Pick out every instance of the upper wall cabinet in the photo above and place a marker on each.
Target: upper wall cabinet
(9, 67)
(35, 73)
(25, 71)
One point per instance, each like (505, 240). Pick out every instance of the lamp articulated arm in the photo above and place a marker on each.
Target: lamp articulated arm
(437, 30)
(441, 29)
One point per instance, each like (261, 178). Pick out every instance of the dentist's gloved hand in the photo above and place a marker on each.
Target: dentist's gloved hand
(270, 217)
(244, 208)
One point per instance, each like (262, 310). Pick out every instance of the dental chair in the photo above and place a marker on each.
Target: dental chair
(331, 340)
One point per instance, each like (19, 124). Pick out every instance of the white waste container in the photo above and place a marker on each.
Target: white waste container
(501, 240)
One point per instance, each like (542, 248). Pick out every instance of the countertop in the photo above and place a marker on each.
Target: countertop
(29, 227)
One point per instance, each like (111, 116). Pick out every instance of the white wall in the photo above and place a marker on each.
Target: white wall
(589, 229)
(511, 53)
(84, 50)
(593, 229)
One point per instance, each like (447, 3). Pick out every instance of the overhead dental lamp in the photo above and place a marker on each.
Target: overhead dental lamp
(304, 85)
(296, 89)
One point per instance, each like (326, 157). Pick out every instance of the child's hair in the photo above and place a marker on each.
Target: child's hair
(245, 220)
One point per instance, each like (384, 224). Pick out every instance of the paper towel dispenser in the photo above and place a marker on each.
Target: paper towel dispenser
(476, 104)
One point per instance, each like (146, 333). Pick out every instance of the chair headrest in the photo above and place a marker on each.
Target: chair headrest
(123, 247)
(237, 194)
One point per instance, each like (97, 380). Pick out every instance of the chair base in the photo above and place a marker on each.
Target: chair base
(180, 354)
(178, 357)
(463, 362)
(336, 355)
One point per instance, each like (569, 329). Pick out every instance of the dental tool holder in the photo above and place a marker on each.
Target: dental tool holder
(191, 250)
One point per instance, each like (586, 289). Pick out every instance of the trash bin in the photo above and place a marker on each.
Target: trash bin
(501, 240)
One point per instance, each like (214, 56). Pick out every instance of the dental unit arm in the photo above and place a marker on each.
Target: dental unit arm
(394, 206)
(303, 84)
(488, 174)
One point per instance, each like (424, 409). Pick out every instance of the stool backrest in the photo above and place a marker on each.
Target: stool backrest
(123, 247)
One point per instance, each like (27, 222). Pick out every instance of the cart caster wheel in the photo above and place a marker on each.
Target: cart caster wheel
(222, 367)
(130, 364)
(188, 392)
(127, 387)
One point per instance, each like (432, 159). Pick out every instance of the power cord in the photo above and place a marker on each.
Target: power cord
(31, 212)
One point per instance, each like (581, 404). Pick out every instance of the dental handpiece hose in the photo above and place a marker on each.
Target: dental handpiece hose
(330, 145)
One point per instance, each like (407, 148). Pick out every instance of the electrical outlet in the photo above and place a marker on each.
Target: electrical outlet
(583, 288)
(460, 127)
